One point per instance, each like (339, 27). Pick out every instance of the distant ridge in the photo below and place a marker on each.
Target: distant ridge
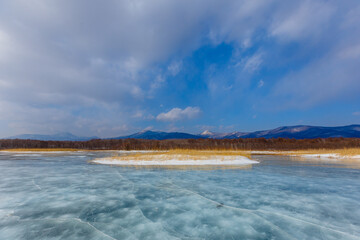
(301, 132)
(55, 137)
(295, 132)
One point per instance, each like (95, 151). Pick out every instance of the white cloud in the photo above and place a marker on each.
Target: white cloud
(176, 114)
(356, 113)
(260, 84)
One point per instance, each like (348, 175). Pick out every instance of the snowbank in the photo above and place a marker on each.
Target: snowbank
(211, 161)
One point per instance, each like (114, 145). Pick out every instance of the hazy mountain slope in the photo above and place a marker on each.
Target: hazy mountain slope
(54, 137)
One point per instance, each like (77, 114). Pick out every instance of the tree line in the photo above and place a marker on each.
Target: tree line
(197, 144)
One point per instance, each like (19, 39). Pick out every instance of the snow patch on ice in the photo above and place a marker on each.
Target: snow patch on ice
(328, 156)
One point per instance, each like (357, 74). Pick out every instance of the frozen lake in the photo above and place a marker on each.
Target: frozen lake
(62, 196)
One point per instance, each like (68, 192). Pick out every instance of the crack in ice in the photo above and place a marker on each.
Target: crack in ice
(138, 208)
(96, 229)
(66, 219)
(311, 223)
(267, 212)
(36, 185)
(124, 178)
(237, 209)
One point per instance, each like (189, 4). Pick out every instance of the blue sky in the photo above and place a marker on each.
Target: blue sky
(110, 68)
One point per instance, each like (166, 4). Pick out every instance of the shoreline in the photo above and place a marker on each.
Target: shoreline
(180, 157)
(331, 153)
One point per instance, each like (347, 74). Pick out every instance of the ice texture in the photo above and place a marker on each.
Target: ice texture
(62, 196)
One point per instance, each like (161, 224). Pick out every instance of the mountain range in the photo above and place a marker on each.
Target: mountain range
(296, 132)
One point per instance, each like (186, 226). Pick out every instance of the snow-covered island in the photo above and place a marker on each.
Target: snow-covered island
(180, 158)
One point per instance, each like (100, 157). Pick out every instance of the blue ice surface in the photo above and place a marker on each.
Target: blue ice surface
(62, 196)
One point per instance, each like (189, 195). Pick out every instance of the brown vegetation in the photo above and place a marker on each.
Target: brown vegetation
(281, 144)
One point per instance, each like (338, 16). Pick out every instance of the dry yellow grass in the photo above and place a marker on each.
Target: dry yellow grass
(208, 152)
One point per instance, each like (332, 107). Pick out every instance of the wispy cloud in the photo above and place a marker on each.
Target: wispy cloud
(302, 20)
(253, 63)
(175, 67)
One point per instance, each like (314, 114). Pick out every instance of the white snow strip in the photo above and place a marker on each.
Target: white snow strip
(323, 155)
(228, 160)
(327, 156)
